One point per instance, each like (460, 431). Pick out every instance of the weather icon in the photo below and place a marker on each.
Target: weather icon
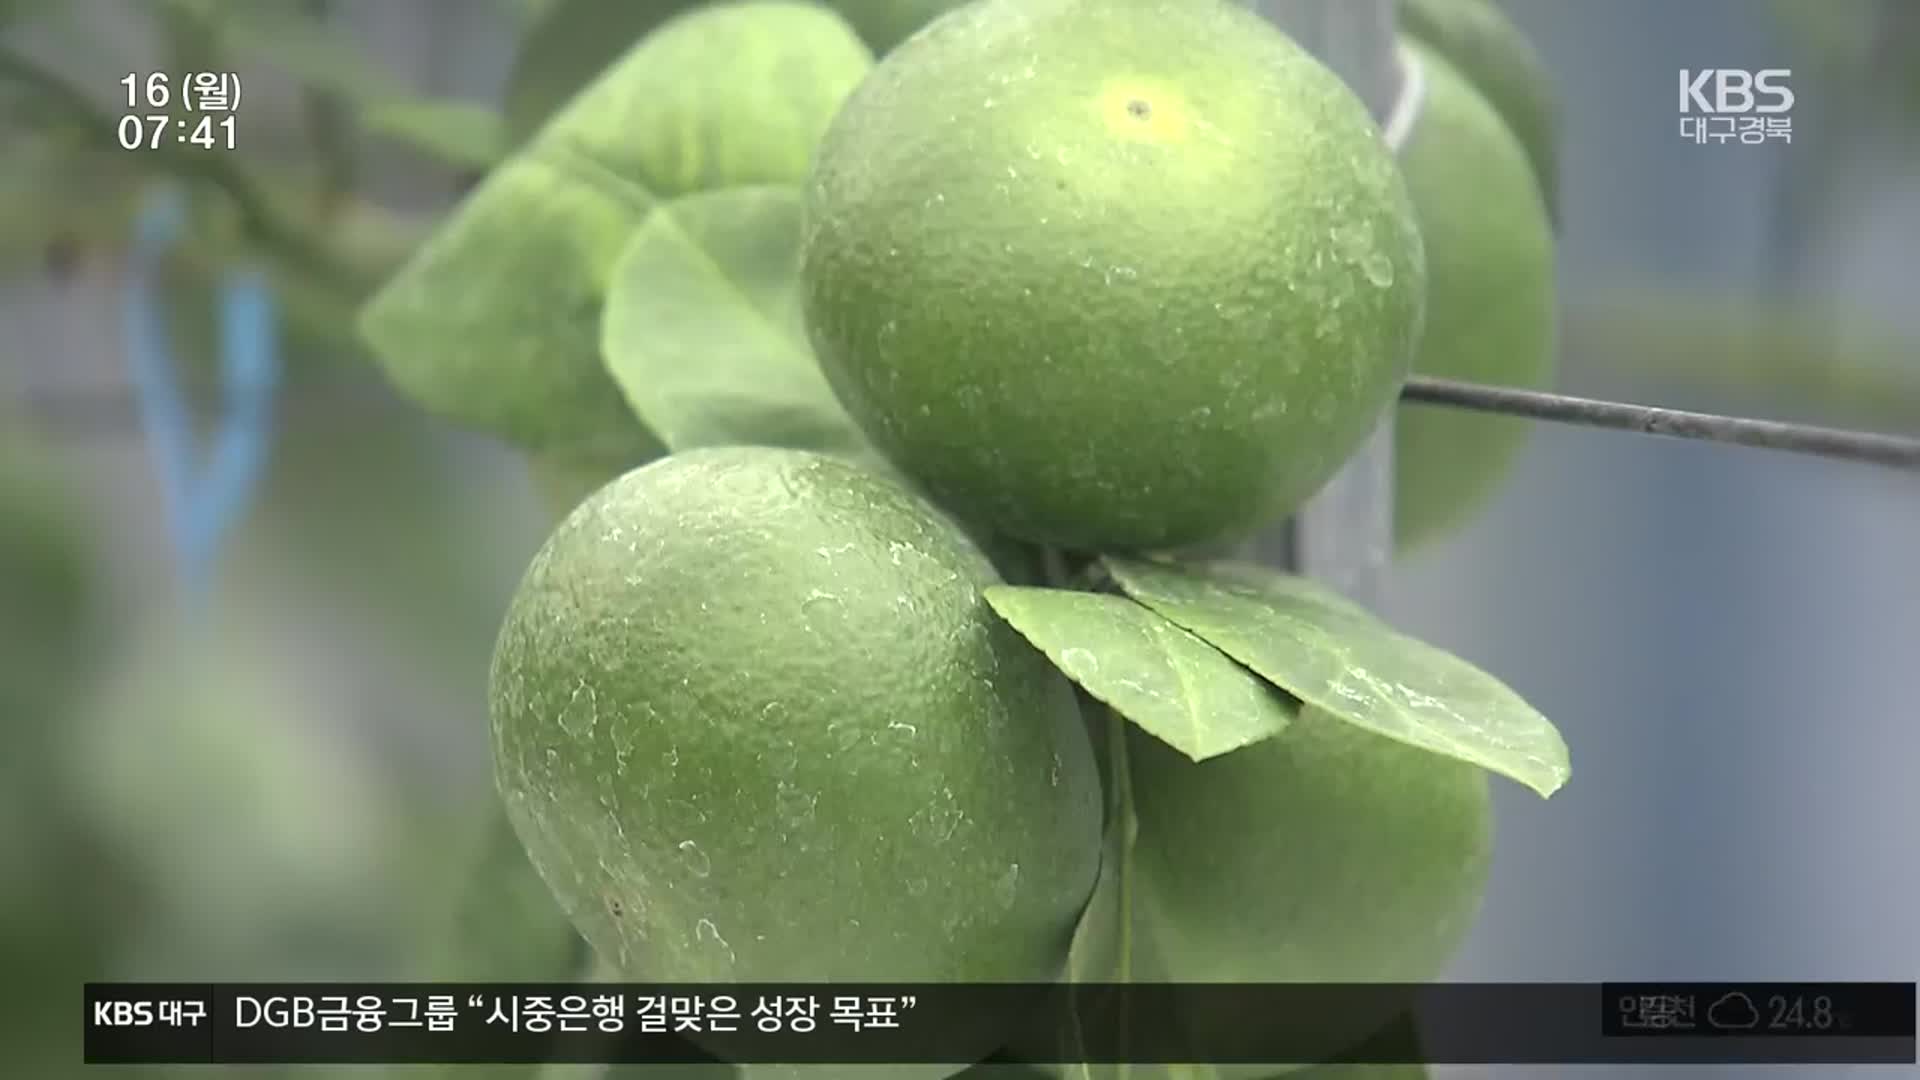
(1734, 1011)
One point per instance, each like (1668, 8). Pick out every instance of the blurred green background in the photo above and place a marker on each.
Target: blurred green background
(286, 777)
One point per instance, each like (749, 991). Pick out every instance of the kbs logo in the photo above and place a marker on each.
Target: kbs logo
(123, 1013)
(1722, 105)
(1733, 91)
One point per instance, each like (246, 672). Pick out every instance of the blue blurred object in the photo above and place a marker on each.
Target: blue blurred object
(202, 504)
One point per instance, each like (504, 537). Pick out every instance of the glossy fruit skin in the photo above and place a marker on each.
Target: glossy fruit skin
(1482, 42)
(754, 722)
(1491, 305)
(1325, 854)
(1112, 275)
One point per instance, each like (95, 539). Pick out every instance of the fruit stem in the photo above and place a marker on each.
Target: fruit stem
(1053, 569)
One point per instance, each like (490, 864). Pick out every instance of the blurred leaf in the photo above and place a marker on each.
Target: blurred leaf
(734, 94)
(572, 41)
(1822, 365)
(316, 53)
(50, 193)
(1354, 667)
(702, 328)
(457, 133)
(215, 777)
(315, 311)
(49, 568)
(320, 56)
(495, 322)
(1865, 54)
(568, 43)
(564, 483)
(74, 119)
(1176, 687)
(505, 925)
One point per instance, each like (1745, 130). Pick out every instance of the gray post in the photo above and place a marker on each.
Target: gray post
(1343, 536)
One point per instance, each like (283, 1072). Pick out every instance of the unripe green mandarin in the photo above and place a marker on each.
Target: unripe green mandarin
(1480, 40)
(1110, 274)
(755, 722)
(1490, 314)
(1327, 853)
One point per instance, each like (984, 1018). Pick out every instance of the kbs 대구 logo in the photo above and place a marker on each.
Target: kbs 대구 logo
(1723, 105)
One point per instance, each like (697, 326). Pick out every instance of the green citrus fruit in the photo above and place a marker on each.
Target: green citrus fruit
(754, 722)
(1481, 40)
(1490, 313)
(1325, 854)
(1110, 274)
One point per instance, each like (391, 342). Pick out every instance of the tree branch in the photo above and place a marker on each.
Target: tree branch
(261, 220)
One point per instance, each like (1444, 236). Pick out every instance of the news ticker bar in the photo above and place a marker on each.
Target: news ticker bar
(1142, 1023)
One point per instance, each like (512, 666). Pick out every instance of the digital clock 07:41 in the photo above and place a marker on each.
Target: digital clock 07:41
(151, 132)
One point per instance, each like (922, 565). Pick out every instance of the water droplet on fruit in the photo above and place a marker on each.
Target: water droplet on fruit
(704, 930)
(581, 712)
(1378, 268)
(1008, 887)
(695, 860)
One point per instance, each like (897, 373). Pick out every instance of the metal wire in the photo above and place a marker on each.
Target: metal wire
(81, 413)
(1872, 447)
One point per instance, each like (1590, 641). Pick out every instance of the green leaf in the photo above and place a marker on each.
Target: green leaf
(1175, 686)
(702, 328)
(1822, 363)
(568, 43)
(1330, 654)
(722, 96)
(316, 53)
(455, 132)
(495, 323)
(571, 41)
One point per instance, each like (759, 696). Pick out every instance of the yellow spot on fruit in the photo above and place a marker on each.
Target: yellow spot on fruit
(1144, 110)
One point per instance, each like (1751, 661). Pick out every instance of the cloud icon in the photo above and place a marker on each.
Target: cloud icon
(1733, 1010)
